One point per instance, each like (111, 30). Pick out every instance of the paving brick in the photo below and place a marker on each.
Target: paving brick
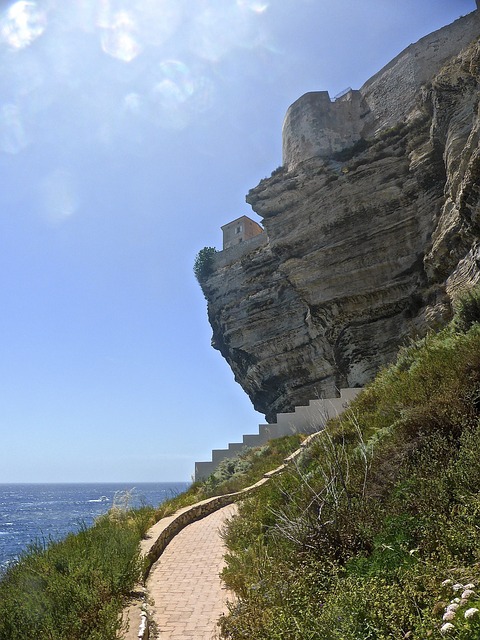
(184, 586)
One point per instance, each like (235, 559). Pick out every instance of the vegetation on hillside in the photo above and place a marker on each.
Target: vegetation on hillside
(74, 589)
(375, 532)
(234, 474)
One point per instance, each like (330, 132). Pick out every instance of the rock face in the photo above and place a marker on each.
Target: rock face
(365, 244)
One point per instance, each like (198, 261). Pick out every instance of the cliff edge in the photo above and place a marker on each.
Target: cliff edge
(372, 226)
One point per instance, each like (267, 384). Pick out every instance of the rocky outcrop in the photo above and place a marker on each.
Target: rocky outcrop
(364, 247)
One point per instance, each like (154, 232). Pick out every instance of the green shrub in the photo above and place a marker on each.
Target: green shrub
(278, 171)
(467, 309)
(203, 265)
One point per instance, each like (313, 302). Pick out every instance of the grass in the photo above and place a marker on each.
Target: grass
(357, 540)
(74, 589)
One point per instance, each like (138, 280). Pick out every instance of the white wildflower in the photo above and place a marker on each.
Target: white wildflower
(467, 593)
(456, 601)
(447, 627)
(457, 587)
(470, 585)
(469, 613)
(452, 607)
(446, 583)
(449, 615)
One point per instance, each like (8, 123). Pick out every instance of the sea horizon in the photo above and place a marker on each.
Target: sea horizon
(49, 511)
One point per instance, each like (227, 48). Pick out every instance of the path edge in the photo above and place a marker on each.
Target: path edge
(182, 519)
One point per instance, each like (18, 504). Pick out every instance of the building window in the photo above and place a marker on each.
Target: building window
(238, 229)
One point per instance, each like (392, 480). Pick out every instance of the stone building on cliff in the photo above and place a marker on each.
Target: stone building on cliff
(371, 228)
(240, 230)
(315, 126)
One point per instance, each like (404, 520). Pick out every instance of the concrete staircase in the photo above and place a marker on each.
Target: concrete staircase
(305, 419)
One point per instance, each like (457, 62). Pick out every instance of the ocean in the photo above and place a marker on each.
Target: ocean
(44, 512)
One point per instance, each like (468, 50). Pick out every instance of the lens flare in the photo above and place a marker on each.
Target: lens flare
(213, 34)
(53, 52)
(58, 195)
(176, 96)
(170, 95)
(256, 7)
(132, 102)
(22, 24)
(118, 39)
(12, 133)
(204, 96)
(158, 20)
(218, 29)
(176, 82)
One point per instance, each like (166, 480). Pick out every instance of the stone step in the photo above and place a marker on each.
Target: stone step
(234, 448)
(203, 469)
(255, 440)
(349, 394)
(304, 419)
(268, 431)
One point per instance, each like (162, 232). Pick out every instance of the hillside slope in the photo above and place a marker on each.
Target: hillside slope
(376, 532)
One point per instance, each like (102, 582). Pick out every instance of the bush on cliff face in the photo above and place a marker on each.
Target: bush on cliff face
(368, 535)
(203, 264)
(467, 310)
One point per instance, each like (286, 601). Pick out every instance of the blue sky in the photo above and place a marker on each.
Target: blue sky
(130, 131)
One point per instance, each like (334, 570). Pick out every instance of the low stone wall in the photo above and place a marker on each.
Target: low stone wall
(200, 510)
(136, 610)
(227, 256)
(185, 517)
(174, 524)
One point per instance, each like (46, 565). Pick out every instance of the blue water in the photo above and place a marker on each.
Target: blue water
(43, 512)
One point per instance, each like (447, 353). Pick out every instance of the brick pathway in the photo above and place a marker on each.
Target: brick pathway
(184, 583)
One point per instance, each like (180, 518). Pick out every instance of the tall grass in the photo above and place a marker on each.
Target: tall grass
(74, 589)
(355, 541)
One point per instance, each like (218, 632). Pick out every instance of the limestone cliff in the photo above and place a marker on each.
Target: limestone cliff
(371, 228)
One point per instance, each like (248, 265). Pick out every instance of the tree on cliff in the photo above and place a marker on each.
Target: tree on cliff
(203, 265)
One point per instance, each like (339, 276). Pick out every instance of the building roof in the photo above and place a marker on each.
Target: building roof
(238, 220)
